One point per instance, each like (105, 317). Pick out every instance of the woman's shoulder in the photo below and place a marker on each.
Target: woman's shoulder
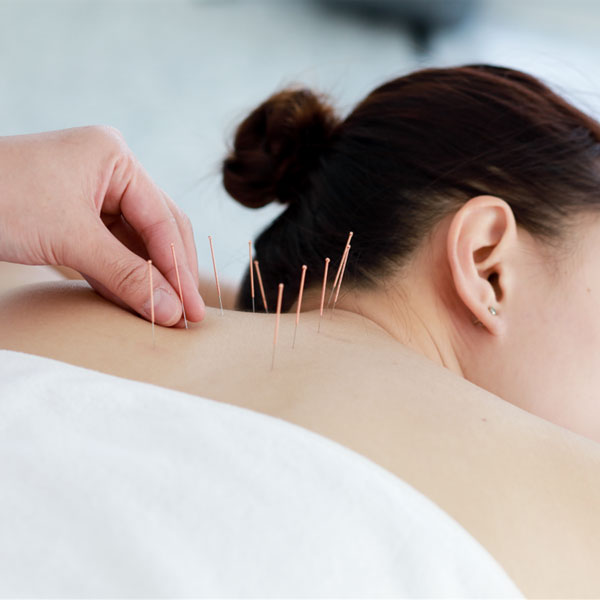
(527, 489)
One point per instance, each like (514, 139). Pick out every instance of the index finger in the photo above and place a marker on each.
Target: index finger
(144, 207)
(187, 235)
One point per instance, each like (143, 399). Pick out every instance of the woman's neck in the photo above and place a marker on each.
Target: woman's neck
(414, 321)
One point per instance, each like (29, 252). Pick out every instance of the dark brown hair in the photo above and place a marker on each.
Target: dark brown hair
(413, 151)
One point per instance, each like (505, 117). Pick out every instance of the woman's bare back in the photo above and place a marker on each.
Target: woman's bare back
(528, 490)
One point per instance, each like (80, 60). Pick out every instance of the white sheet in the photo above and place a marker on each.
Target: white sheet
(115, 488)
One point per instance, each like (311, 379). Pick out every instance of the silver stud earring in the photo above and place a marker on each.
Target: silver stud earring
(492, 311)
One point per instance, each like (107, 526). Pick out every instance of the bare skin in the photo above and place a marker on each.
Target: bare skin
(526, 488)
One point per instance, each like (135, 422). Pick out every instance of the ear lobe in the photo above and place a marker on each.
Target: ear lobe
(479, 237)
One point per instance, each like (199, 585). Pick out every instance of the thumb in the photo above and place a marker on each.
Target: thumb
(122, 277)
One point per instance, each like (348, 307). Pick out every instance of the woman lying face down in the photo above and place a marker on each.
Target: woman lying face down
(473, 195)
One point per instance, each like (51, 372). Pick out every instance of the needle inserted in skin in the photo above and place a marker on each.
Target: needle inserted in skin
(327, 261)
(336, 281)
(337, 275)
(304, 267)
(179, 283)
(260, 285)
(337, 293)
(251, 276)
(212, 253)
(279, 297)
(151, 299)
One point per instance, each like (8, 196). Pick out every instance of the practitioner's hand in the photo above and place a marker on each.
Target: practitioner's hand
(80, 198)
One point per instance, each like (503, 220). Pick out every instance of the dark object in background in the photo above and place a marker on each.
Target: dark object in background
(422, 17)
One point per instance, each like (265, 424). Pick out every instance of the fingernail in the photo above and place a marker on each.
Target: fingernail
(166, 307)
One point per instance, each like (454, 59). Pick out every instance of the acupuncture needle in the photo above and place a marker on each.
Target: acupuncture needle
(179, 284)
(337, 275)
(327, 261)
(260, 285)
(337, 293)
(304, 267)
(251, 276)
(212, 252)
(278, 314)
(151, 300)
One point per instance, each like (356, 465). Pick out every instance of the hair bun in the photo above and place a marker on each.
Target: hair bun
(277, 146)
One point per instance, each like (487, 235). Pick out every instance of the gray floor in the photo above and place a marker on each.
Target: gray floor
(176, 76)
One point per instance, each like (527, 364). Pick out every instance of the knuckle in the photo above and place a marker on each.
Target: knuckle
(126, 165)
(127, 279)
(158, 230)
(107, 134)
(174, 208)
(181, 217)
(187, 222)
(112, 131)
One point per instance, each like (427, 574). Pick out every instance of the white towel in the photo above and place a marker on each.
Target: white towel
(111, 487)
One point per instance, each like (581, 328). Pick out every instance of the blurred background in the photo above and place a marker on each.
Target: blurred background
(177, 76)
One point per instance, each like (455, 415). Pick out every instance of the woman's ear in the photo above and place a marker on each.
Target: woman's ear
(480, 241)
